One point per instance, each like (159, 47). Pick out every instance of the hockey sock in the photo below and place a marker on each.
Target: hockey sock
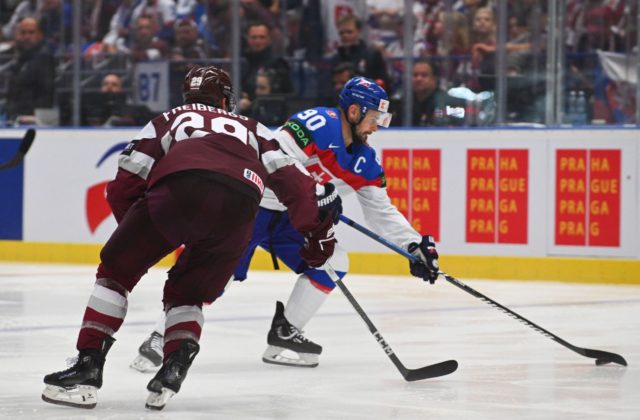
(104, 315)
(305, 300)
(160, 323)
(183, 322)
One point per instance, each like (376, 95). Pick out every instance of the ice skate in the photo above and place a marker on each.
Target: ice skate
(78, 385)
(150, 353)
(287, 345)
(169, 378)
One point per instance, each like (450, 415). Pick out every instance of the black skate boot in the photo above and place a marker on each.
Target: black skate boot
(78, 385)
(285, 338)
(169, 378)
(150, 353)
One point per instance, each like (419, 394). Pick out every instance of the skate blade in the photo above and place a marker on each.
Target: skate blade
(157, 400)
(80, 396)
(144, 365)
(280, 356)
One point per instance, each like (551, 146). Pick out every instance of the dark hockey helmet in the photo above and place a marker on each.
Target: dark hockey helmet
(208, 85)
(368, 95)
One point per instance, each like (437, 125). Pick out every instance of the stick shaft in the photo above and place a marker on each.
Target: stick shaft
(372, 328)
(582, 351)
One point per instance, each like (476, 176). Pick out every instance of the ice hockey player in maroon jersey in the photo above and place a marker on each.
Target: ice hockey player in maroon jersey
(194, 175)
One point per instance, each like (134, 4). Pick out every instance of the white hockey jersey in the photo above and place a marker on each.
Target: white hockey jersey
(314, 138)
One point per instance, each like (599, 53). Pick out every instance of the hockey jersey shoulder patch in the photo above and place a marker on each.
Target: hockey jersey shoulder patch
(299, 132)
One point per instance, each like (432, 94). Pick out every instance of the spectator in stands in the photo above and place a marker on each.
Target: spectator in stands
(367, 61)
(598, 18)
(259, 57)
(55, 18)
(268, 12)
(340, 75)
(483, 49)
(382, 22)
(97, 109)
(162, 14)
(26, 8)
(31, 80)
(470, 7)
(426, 13)
(451, 33)
(395, 47)
(119, 26)
(268, 107)
(429, 101)
(110, 107)
(188, 45)
(519, 46)
(144, 44)
(196, 10)
(332, 11)
(111, 83)
(305, 30)
(97, 18)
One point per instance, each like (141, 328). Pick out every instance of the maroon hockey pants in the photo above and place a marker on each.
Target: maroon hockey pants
(212, 220)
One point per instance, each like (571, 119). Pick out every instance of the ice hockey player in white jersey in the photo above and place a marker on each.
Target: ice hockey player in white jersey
(332, 143)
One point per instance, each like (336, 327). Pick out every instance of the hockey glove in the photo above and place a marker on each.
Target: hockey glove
(319, 244)
(330, 203)
(427, 265)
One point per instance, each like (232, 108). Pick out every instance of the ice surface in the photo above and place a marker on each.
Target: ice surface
(507, 370)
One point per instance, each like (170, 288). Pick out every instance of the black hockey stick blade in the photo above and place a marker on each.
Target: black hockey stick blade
(431, 371)
(409, 375)
(27, 141)
(602, 357)
(25, 145)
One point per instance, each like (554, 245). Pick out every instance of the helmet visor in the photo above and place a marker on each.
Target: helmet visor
(382, 119)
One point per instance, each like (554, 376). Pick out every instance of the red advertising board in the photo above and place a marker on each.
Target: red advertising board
(588, 197)
(513, 177)
(571, 196)
(481, 195)
(425, 209)
(604, 198)
(413, 184)
(396, 164)
(497, 195)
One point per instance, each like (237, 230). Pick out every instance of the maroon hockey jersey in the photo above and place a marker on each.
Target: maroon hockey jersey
(201, 137)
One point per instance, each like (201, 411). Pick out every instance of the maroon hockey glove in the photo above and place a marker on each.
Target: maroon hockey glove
(319, 244)
(330, 203)
(427, 265)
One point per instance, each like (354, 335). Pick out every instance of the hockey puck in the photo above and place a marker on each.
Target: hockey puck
(600, 362)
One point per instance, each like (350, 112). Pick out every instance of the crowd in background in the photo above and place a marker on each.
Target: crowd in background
(305, 50)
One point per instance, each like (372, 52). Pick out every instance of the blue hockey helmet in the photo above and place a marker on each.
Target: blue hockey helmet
(368, 96)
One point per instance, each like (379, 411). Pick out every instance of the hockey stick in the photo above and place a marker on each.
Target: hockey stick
(410, 375)
(602, 357)
(25, 144)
